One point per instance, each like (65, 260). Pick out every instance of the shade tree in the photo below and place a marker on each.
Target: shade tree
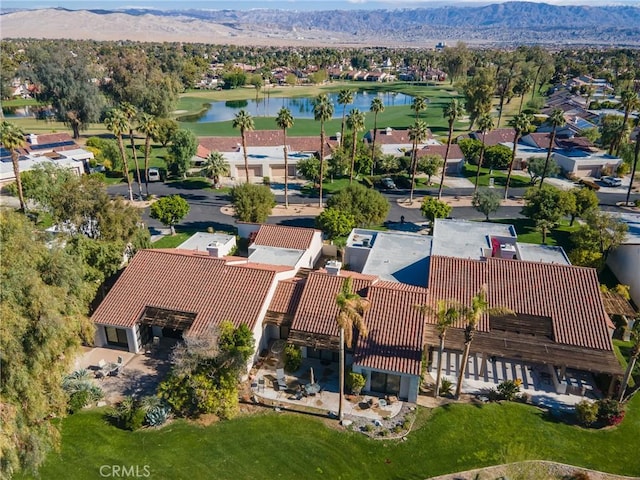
(170, 211)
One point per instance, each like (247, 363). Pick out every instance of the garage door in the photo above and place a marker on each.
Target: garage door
(587, 171)
(278, 170)
(254, 170)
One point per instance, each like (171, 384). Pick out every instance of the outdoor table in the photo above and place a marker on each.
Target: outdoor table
(312, 388)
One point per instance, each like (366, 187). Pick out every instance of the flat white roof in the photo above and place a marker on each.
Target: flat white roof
(200, 240)
(542, 253)
(633, 222)
(275, 255)
(466, 239)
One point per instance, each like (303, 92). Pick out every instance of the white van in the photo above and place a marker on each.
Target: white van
(153, 175)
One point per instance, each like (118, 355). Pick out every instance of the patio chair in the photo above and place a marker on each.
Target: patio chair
(261, 384)
(282, 384)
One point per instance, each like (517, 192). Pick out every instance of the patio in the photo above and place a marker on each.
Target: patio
(326, 375)
(139, 374)
(537, 380)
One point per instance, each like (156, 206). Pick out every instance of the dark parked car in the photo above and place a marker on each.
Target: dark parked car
(388, 183)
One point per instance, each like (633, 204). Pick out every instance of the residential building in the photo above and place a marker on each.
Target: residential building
(624, 261)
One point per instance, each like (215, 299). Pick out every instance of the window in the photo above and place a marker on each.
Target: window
(385, 383)
(116, 336)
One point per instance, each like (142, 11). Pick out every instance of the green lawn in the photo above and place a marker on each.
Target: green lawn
(622, 350)
(172, 241)
(500, 177)
(527, 232)
(271, 445)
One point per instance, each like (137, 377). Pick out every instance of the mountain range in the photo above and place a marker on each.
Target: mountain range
(496, 24)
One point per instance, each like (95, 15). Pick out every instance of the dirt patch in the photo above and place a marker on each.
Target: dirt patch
(454, 202)
(294, 210)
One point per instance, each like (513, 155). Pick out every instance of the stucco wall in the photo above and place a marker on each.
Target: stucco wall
(624, 262)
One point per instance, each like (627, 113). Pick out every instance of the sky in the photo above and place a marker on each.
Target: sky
(279, 4)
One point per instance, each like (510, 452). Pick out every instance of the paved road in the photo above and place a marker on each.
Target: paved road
(205, 206)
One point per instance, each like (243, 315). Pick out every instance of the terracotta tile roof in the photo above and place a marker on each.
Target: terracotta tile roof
(569, 295)
(317, 309)
(175, 280)
(265, 138)
(394, 136)
(396, 329)
(454, 152)
(494, 137)
(541, 140)
(202, 152)
(45, 138)
(285, 237)
(287, 296)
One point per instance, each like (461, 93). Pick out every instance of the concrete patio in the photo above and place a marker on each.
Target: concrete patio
(537, 380)
(367, 406)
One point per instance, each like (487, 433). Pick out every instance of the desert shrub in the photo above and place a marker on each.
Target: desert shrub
(356, 382)
(610, 411)
(446, 387)
(397, 429)
(157, 412)
(293, 358)
(587, 412)
(509, 390)
(77, 401)
(129, 414)
(368, 428)
(81, 390)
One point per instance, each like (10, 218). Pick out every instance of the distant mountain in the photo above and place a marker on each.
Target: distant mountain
(503, 23)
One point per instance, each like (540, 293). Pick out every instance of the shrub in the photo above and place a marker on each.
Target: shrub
(397, 429)
(266, 181)
(356, 382)
(82, 391)
(509, 390)
(610, 411)
(129, 414)
(77, 401)
(157, 415)
(587, 412)
(446, 387)
(368, 427)
(293, 357)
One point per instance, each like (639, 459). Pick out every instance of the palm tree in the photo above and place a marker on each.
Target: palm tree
(244, 122)
(351, 310)
(635, 353)
(485, 124)
(345, 97)
(284, 121)
(636, 158)
(12, 138)
(418, 104)
(148, 125)
(451, 112)
(417, 134)
(524, 85)
(322, 112)
(473, 314)
(376, 107)
(130, 112)
(521, 123)
(556, 119)
(116, 123)
(629, 101)
(215, 166)
(446, 314)
(355, 121)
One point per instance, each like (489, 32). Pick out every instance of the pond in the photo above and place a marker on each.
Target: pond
(38, 112)
(301, 107)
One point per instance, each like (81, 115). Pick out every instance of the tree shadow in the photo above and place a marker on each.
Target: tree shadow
(202, 226)
(306, 222)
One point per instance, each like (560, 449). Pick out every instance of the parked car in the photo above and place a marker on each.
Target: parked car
(589, 184)
(98, 169)
(611, 181)
(388, 183)
(153, 175)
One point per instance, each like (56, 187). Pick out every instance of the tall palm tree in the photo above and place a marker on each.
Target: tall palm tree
(451, 112)
(446, 313)
(417, 134)
(556, 119)
(12, 138)
(148, 125)
(485, 124)
(244, 122)
(322, 112)
(284, 121)
(418, 104)
(351, 310)
(636, 158)
(216, 166)
(376, 107)
(116, 123)
(345, 97)
(524, 85)
(629, 101)
(635, 353)
(521, 123)
(472, 314)
(131, 113)
(355, 121)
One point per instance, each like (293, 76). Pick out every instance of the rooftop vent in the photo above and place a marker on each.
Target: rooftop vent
(333, 267)
(214, 249)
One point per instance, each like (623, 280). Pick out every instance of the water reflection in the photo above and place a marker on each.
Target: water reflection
(301, 107)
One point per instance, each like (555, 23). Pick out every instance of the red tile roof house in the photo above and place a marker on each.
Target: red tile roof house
(396, 141)
(176, 292)
(455, 160)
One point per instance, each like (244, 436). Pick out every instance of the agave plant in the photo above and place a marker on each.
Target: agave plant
(157, 415)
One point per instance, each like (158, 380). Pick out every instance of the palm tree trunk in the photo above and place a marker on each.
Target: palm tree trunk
(125, 166)
(15, 160)
(135, 161)
(549, 150)
(446, 156)
(627, 375)
(521, 102)
(341, 376)
(344, 108)
(286, 170)
(373, 148)
(513, 158)
(500, 110)
(463, 367)
(321, 162)
(414, 167)
(480, 160)
(439, 374)
(633, 167)
(353, 156)
(244, 152)
(147, 151)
